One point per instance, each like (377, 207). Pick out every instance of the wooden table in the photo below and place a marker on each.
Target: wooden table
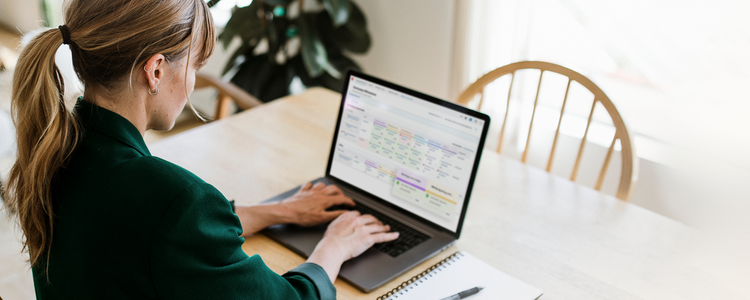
(568, 240)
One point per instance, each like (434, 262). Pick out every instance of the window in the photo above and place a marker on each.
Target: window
(676, 70)
(223, 10)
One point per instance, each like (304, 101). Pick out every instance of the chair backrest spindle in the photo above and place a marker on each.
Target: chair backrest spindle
(481, 99)
(507, 109)
(600, 180)
(557, 131)
(577, 164)
(533, 114)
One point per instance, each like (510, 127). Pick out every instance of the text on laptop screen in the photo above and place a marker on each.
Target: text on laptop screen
(410, 152)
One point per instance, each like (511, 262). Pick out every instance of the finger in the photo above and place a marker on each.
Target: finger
(366, 219)
(375, 222)
(349, 217)
(330, 215)
(344, 218)
(384, 237)
(332, 190)
(305, 187)
(375, 228)
(340, 200)
(318, 186)
(352, 214)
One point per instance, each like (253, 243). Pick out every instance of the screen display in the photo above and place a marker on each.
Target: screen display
(408, 151)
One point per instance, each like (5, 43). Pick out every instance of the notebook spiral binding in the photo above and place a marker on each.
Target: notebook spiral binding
(417, 277)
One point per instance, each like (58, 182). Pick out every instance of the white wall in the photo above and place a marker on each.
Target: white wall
(21, 16)
(411, 43)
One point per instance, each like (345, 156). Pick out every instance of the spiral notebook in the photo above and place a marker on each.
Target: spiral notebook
(458, 272)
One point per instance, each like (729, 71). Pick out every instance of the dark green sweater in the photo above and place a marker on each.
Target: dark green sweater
(129, 225)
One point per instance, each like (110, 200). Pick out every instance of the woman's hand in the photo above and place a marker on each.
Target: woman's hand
(353, 233)
(346, 237)
(308, 206)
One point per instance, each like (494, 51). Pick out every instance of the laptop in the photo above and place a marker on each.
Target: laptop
(405, 157)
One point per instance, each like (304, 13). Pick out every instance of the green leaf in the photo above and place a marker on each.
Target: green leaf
(248, 74)
(262, 79)
(352, 36)
(313, 52)
(343, 63)
(276, 2)
(338, 10)
(244, 49)
(245, 23)
(331, 83)
(357, 20)
(308, 49)
(300, 70)
(323, 80)
(277, 28)
(253, 35)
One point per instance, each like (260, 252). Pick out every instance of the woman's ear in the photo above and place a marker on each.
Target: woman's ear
(154, 71)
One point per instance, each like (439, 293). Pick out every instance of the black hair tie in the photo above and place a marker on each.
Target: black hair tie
(65, 34)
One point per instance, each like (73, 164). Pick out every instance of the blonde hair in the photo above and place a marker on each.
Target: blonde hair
(109, 40)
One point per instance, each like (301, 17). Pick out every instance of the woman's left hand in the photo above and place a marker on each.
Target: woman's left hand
(308, 206)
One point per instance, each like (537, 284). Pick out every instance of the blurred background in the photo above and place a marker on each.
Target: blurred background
(677, 71)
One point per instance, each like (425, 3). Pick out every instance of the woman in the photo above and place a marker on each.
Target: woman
(104, 219)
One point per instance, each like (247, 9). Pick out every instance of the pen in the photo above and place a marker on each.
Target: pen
(464, 294)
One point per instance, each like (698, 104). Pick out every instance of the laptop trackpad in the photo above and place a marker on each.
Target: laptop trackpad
(301, 240)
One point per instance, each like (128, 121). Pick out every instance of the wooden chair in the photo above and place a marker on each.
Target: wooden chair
(629, 169)
(8, 58)
(227, 92)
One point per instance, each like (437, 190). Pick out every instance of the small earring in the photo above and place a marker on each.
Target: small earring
(156, 91)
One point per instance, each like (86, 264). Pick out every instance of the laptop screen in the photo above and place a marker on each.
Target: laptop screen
(409, 149)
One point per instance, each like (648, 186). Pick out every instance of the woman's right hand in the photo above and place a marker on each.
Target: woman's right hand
(348, 236)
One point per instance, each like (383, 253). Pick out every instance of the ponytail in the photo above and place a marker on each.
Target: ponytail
(46, 134)
(107, 40)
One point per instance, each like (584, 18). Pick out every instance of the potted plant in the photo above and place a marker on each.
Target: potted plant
(283, 40)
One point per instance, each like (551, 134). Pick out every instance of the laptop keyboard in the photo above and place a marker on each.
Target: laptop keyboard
(408, 237)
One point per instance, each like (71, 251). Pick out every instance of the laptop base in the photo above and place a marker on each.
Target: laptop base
(372, 268)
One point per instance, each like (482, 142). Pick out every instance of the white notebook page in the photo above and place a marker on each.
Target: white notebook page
(463, 272)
